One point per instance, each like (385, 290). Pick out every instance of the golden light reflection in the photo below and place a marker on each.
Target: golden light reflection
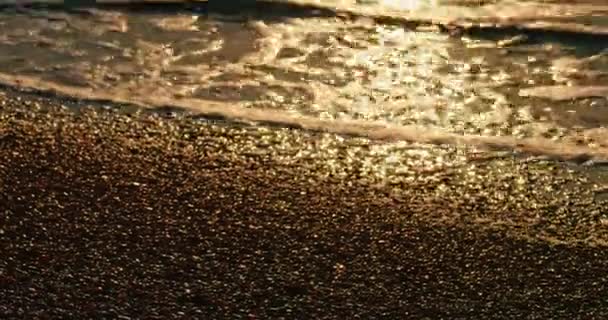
(409, 4)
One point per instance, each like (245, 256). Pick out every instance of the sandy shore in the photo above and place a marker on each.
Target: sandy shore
(105, 215)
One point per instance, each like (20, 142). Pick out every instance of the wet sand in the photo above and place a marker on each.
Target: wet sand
(109, 215)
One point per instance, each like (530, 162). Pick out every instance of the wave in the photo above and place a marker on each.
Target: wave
(558, 150)
(506, 16)
(525, 18)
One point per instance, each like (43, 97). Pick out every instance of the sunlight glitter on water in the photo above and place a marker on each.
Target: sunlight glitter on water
(346, 76)
(408, 4)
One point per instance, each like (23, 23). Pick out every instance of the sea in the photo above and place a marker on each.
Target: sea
(523, 77)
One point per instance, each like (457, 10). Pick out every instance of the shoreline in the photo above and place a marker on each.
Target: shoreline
(112, 215)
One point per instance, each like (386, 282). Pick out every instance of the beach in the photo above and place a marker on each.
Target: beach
(108, 215)
(157, 162)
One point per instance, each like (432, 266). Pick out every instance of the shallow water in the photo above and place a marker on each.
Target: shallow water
(517, 76)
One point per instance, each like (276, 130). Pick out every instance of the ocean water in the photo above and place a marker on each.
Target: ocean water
(516, 76)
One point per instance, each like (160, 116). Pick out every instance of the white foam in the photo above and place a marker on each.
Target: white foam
(561, 150)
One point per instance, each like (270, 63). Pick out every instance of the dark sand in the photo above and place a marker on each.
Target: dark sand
(104, 215)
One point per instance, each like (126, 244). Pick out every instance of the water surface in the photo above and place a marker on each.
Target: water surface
(519, 76)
